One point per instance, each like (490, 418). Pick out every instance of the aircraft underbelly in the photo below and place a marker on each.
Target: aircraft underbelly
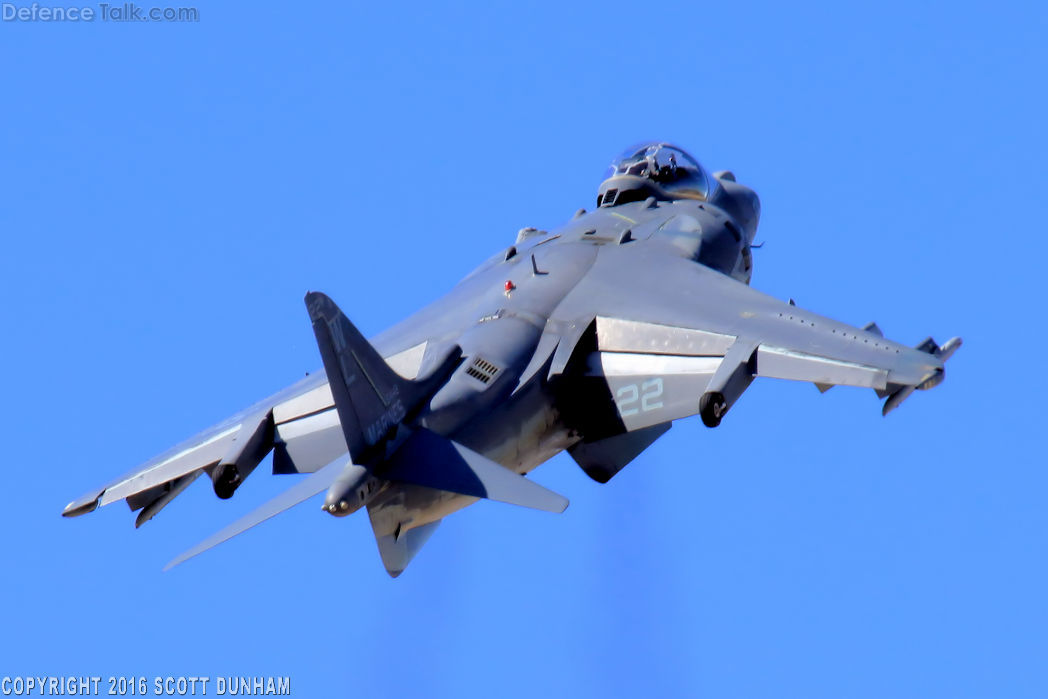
(522, 434)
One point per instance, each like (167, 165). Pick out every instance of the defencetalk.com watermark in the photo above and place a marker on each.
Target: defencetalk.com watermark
(102, 12)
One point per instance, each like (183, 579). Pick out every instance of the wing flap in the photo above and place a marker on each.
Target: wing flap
(198, 456)
(314, 401)
(309, 443)
(618, 335)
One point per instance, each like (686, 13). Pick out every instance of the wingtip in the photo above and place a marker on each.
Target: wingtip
(949, 347)
(81, 506)
(555, 503)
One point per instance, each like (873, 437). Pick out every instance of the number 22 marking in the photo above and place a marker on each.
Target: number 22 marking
(648, 394)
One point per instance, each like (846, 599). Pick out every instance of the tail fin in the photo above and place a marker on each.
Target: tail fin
(370, 397)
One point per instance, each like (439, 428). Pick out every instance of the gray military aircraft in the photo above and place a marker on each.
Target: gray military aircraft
(593, 337)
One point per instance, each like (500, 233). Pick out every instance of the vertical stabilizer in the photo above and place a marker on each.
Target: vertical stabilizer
(370, 397)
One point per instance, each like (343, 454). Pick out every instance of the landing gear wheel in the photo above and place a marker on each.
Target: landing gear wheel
(227, 480)
(712, 407)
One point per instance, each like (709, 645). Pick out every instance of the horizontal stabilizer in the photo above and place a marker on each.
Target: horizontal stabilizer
(300, 492)
(433, 461)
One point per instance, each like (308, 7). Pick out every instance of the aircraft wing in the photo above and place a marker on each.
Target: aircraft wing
(298, 424)
(243, 440)
(674, 338)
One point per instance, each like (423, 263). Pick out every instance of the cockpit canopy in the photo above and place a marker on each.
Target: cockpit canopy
(654, 169)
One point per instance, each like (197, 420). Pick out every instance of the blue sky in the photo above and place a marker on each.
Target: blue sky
(170, 191)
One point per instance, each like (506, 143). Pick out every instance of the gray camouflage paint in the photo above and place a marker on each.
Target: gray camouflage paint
(592, 337)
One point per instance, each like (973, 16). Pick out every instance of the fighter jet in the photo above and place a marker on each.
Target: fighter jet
(592, 337)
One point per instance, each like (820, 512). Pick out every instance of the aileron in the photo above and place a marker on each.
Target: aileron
(198, 456)
(779, 363)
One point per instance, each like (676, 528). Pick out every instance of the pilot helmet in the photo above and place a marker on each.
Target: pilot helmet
(654, 169)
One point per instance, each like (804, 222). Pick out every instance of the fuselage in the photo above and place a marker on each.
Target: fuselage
(594, 337)
(499, 402)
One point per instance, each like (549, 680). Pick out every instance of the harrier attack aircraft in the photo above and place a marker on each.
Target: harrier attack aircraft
(593, 337)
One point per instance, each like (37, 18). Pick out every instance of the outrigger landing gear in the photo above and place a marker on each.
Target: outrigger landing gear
(733, 376)
(712, 407)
